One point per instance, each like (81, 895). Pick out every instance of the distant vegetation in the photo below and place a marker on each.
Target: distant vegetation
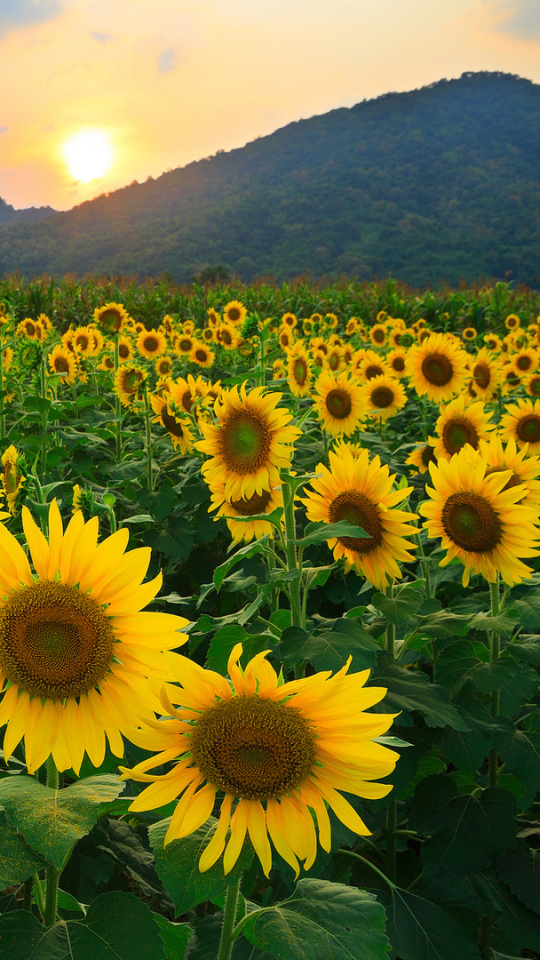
(439, 183)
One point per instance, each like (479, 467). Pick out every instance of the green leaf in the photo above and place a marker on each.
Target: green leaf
(466, 661)
(404, 603)
(175, 936)
(519, 924)
(520, 869)
(443, 623)
(53, 820)
(410, 690)
(319, 532)
(521, 688)
(117, 926)
(17, 860)
(467, 750)
(466, 833)
(330, 649)
(528, 608)
(520, 750)
(322, 920)
(250, 550)
(528, 649)
(421, 930)
(503, 624)
(177, 865)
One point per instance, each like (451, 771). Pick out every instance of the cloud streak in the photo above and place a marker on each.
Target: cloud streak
(100, 37)
(17, 14)
(167, 60)
(518, 18)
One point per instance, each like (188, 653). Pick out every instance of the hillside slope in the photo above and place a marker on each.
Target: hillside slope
(441, 182)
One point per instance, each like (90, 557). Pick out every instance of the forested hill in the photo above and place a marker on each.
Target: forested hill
(9, 214)
(441, 182)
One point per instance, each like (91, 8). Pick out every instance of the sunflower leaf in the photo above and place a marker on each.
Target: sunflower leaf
(117, 926)
(319, 921)
(52, 821)
(250, 550)
(177, 865)
(319, 532)
(421, 930)
(17, 860)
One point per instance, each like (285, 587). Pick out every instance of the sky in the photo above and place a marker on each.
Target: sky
(99, 93)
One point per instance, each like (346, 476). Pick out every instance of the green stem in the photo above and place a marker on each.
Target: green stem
(290, 548)
(44, 419)
(229, 918)
(147, 412)
(27, 902)
(495, 696)
(117, 404)
(425, 567)
(2, 414)
(391, 813)
(368, 863)
(40, 899)
(52, 873)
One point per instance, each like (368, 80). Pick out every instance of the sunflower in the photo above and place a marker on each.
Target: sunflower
(258, 503)
(228, 336)
(492, 341)
(378, 335)
(512, 321)
(469, 333)
(281, 752)
(351, 327)
(307, 327)
(250, 444)
(107, 363)
(438, 367)
(11, 476)
(299, 370)
(98, 338)
(183, 345)
(289, 320)
(422, 457)
(338, 403)
(177, 427)
(235, 312)
(77, 658)
(372, 366)
(460, 424)
(151, 344)
(340, 446)
(45, 322)
(398, 362)
(533, 384)
(168, 324)
(525, 469)
(186, 393)
(510, 379)
(125, 349)
(525, 361)
(31, 329)
(279, 370)
(522, 422)
(163, 366)
(187, 327)
(286, 338)
(481, 523)
(486, 375)
(202, 355)
(62, 362)
(382, 397)
(361, 493)
(128, 383)
(110, 317)
(208, 335)
(214, 318)
(7, 358)
(83, 341)
(334, 359)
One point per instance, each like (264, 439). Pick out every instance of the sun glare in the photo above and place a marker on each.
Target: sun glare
(88, 155)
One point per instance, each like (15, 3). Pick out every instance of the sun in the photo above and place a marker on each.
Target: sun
(88, 154)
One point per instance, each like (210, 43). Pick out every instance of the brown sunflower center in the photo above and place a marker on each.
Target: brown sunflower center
(512, 377)
(528, 429)
(132, 380)
(373, 370)
(333, 360)
(185, 345)
(111, 320)
(123, 351)
(245, 443)
(398, 363)
(524, 362)
(300, 371)
(171, 424)
(457, 432)
(251, 506)
(482, 375)
(427, 456)
(252, 748)
(61, 365)
(151, 344)
(82, 341)
(55, 641)
(512, 482)
(379, 336)
(534, 386)
(225, 336)
(201, 355)
(471, 522)
(233, 314)
(382, 397)
(437, 369)
(338, 403)
(355, 507)
(164, 366)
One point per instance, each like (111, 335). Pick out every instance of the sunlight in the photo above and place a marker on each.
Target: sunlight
(88, 155)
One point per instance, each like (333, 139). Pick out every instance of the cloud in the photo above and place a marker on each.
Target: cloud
(519, 18)
(4, 129)
(100, 37)
(15, 14)
(167, 60)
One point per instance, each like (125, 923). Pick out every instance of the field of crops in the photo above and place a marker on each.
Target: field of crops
(269, 621)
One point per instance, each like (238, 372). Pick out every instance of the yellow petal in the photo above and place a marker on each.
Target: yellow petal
(198, 811)
(17, 725)
(238, 834)
(39, 548)
(256, 822)
(273, 820)
(214, 848)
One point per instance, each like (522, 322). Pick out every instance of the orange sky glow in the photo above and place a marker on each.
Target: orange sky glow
(160, 84)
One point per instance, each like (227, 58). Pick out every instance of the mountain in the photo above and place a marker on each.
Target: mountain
(9, 214)
(438, 183)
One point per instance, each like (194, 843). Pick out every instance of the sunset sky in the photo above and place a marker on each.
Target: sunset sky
(97, 93)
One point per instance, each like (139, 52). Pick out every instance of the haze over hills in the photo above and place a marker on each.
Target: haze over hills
(9, 214)
(439, 183)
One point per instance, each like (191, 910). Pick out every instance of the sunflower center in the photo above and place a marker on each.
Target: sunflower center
(132, 381)
(379, 336)
(512, 482)
(427, 456)
(252, 748)
(171, 424)
(61, 365)
(123, 351)
(437, 369)
(245, 443)
(233, 313)
(355, 507)
(251, 506)
(534, 386)
(111, 320)
(201, 355)
(55, 642)
(457, 432)
(528, 429)
(151, 344)
(185, 345)
(382, 397)
(373, 370)
(338, 404)
(300, 371)
(482, 375)
(398, 363)
(471, 522)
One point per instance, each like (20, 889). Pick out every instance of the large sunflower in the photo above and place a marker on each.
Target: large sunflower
(250, 444)
(478, 520)
(422, 457)
(361, 493)
(486, 375)
(110, 317)
(128, 383)
(438, 367)
(177, 427)
(62, 361)
(280, 753)
(245, 507)
(151, 343)
(234, 312)
(338, 403)
(460, 424)
(522, 422)
(525, 469)
(78, 659)
(382, 397)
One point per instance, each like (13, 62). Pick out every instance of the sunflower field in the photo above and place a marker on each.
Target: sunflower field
(269, 621)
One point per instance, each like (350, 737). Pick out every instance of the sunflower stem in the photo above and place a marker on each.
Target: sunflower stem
(2, 414)
(117, 404)
(229, 919)
(44, 417)
(391, 813)
(288, 489)
(27, 902)
(148, 443)
(495, 696)
(368, 863)
(425, 567)
(40, 899)
(52, 874)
